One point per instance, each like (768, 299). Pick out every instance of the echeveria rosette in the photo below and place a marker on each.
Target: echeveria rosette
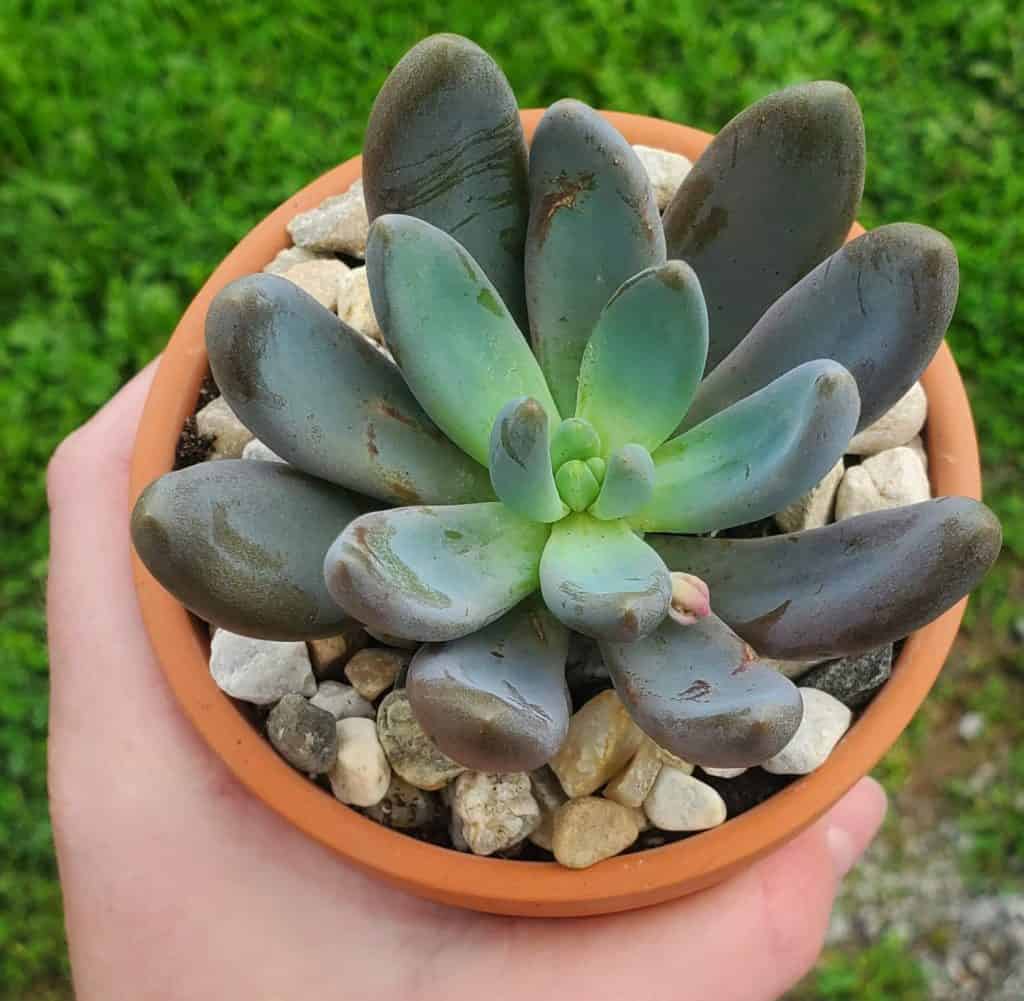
(529, 477)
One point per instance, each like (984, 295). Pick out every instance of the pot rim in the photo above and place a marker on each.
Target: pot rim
(543, 889)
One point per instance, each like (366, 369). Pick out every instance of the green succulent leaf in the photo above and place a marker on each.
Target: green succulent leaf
(521, 462)
(577, 484)
(773, 195)
(846, 588)
(496, 701)
(573, 439)
(241, 543)
(879, 306)
(756, 457)
(602, 580)
(444, 143)
(434, 573)
(642, 364)
(323, 398)
(458, 347)
(593, 224)
(700, 692)
(628, 484)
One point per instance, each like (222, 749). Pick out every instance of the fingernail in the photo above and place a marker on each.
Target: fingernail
(844, 850)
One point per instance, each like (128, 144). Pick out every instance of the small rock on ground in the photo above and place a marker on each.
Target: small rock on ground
(409, 749)
(289, 257)
(824, 722)
(816, 507)
(260, 671)
(360, 775)
(319, 279)
(680, 802)
(404, 807)
(666, 171)
(494, 812)
(303, 734)
(342, 701)
(971, 726)
(591, 829)
(889, 479)
(601, 739)
(229, 436)
(339, 224)
(895, 427)
(373, 671)
(852, 680)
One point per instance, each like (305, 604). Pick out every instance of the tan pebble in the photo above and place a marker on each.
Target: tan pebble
(631, 786)
(360, 776)
(318, 279)
(373, 671)
(590, 829)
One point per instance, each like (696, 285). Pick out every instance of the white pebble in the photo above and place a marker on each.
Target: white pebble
(342, 701)
(361, 775)
(824, 722)
(889, 479)
(289, 257)
(339, 224)
(218, 421)
(665, 170)
(259, 452)
(319, 279)
(723, 773)
(971, 726)
(895, 427)
(816, 507)
(680, 802)
(494, 811)
(260, 671)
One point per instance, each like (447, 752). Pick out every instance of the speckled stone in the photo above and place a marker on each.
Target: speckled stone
(355, 306)
(289, 257)
(631, 786)
(303, 734)
(852, 680)
(590, 829)
(602, 738)
(373, 671)
(411, 752)
(338, 224)
(229, 435)
(404, 807)
(495, 811)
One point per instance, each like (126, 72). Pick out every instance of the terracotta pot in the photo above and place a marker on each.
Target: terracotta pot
(523, 888)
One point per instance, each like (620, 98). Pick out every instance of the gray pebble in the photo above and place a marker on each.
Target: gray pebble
(303, 734)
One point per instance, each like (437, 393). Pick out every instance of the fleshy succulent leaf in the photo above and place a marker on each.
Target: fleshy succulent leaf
(756, 457)
(577, 484)
(700, 692)
(458, 347)
(593, 224)
(444, 143)
(645, 358)
(574, 439)
(879, 306)
(848, 587)
(434, 573)
(241, 543)
(496, 701)
(324, 399)
(773, 195)
(602, 580)
(521, 462)
(628, 484)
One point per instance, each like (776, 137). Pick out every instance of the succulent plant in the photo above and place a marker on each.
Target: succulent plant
(495, 486)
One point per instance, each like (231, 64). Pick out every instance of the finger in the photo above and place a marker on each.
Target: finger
(748, 939)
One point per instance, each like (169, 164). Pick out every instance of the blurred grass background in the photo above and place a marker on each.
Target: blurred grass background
(140, 140)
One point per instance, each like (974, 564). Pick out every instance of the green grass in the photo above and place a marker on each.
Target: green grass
(139, 141)
(882, 972)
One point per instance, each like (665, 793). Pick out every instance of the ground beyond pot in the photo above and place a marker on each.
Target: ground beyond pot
(499, 886)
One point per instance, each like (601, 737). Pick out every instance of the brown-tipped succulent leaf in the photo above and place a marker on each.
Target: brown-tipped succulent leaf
(753, 459)
(458, 347)
(700, 692)
(602, 580)
(593, 224)
(434, 573)
(444, 143)
(879, 306)
(645, 357)
(846, 588)
(241, 543)
(496, 701)
(773, 195)
(324, 399)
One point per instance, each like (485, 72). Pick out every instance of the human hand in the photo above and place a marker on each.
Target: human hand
(179, 884)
